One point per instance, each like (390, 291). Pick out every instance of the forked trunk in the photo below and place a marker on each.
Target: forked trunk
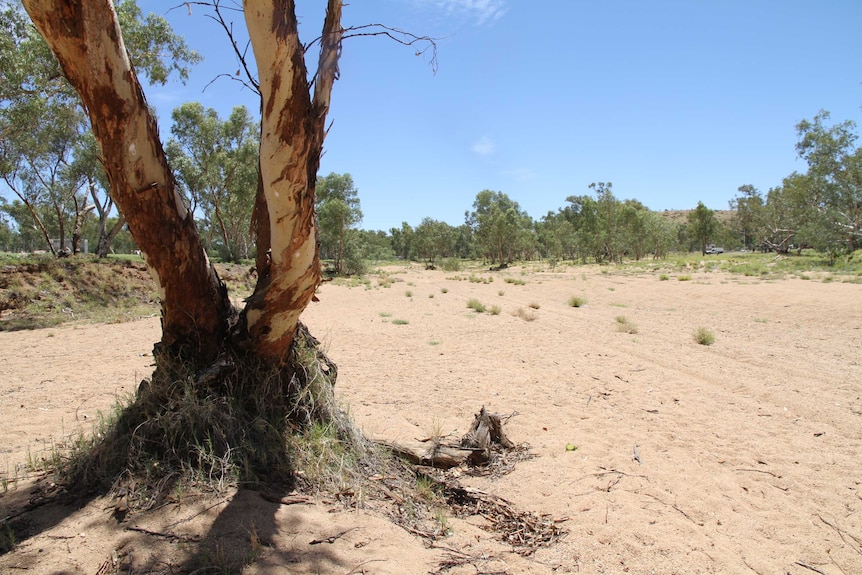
(245, 363)
(85, 37)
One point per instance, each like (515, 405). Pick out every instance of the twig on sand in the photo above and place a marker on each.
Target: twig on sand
(857, 547)
(673, 505)
(811, 567)
(758, 471)
(360, 566)
(168, 536)
(331, 538)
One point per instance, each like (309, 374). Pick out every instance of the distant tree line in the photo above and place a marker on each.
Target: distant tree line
(54, 188)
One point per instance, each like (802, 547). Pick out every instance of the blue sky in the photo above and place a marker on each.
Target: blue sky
(674, 101)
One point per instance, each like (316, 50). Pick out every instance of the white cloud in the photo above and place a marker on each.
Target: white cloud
(484, 146)
(483, 11)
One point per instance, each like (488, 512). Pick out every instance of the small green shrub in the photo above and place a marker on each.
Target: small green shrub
(494, 310)
(450, 265)
(625, 326)
(444, 290)
(400, 322)
(577, 301)
(664, 277)
(476, 305)
(408, 293)
(704, 336)
(684, 278)
(535, 305)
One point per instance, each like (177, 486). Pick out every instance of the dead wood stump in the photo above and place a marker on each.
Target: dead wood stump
(475, 448)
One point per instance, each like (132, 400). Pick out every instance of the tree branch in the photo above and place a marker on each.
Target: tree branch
(400, 36)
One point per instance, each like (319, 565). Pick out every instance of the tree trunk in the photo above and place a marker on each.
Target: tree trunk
(245, 368)
(85, 37)
(292, 133)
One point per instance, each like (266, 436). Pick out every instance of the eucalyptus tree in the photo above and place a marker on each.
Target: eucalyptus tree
(747, 220)
(661, 234)
(402, 241)
(339, 212)
(36, 98)
(434, 239)
(701, 225)
(500, 226)
(36, 165)
(88, 166)
(216, 162)
(557, 236)
(244, 361)
(833, 190)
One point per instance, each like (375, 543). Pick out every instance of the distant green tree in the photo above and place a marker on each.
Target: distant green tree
(216, 162)
(42, 121)
(499, 225)
(633, 223)
(833, 189)
(610, 243)
(747, 220)
(433, 240)
(338, 212)
(377, 245)
(557, 237)
(702, 225)
(661, 234)
(402, 241)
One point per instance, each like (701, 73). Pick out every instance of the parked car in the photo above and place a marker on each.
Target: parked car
(713, 249)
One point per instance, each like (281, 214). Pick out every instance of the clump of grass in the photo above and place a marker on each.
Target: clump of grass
(494, 310)
(400, 322)
(480, 280)
(409, 293)
(384, 314)
(664, 277)
(431, 296)
(577, 301)
(535, 305)
(476, 305)
(444, 290)
(684, 278)
(501, 293)
(450, 265)
(704, 336)
(625, 325)
(7, 538)
(515, 281)
(524, 314)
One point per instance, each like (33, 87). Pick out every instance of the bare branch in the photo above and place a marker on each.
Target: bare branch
(251, 83)
(422, 44)
(327, 64)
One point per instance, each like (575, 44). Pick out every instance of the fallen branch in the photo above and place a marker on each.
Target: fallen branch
(168, 536)
(857, 548)
(757, 471)
(476, 447)
(811, 567)
(332, 538)
(674, 506)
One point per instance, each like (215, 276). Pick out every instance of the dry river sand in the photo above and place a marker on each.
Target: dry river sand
(750, 450)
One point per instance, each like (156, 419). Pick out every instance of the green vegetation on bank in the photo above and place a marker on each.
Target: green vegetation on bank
(43, 291)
